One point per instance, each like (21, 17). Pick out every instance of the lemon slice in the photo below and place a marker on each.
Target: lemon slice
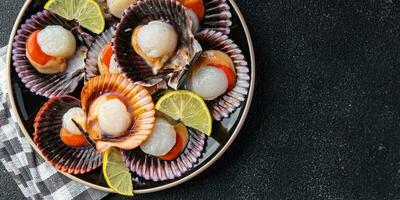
(187, 107)
(116, 173)
(87, 12)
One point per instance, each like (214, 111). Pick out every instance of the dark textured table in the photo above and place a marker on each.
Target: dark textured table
(325, 117)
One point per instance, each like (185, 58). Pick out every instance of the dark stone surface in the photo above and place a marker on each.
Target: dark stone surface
(325, 117)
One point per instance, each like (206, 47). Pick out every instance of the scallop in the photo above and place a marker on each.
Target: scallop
(222, 50)
(48, 54)
(154, 41)
(114, 66)
(208, 82)
(57, 41)
(161, 140)
(195, 21)
(114, 117)
(155, 169)
(94, 62)
(117, 7)
(120, 113)
(77, 114)
(52, 119)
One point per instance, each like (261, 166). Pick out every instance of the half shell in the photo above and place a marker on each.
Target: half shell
(48, 85)
(48, 124)
(139, 104)
(91, 60)
(225, 105)
(217, 16)
(170, 11)
(155, 169)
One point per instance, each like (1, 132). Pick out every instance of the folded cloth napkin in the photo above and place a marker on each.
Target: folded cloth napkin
(36, 178)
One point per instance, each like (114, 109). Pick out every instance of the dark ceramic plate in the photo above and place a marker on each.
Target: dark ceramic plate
(25, 105)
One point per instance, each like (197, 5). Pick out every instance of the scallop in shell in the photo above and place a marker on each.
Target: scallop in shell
(92, 68)
(48, 124)
(154, 169)
(211, 15)
(48, 85)
(225, 105)
(145, 12)
(120, 113)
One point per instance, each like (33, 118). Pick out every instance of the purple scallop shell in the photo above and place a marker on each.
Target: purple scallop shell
(48, 123)
(225, 105)
(155, 169)
(217, 16)
(48, 85)
(91, 67)
(134, 66)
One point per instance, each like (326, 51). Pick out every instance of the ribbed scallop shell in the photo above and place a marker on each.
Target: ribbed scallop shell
(48, 85)
(139, 101)
(224, 106)
(155, 169)
(48, 124)
(91, 68)
(217, 16)
(133, 65)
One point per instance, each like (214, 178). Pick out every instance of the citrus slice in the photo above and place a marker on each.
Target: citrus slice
(87, 12)
(187, 107)
(116, 173)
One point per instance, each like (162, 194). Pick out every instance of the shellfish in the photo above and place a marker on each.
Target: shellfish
(153, 55)
(120, 113)
(100, 59)
(209, 15)
(166, 168)
(59, 141)
(45, 54)
(225, 57)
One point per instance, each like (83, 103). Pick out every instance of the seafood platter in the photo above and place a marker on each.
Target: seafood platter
(130, 96)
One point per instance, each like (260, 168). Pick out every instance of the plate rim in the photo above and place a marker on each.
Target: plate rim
(194, 173)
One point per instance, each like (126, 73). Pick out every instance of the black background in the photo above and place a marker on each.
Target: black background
(324, 123)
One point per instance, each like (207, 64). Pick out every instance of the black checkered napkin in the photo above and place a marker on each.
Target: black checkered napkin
(36, 178)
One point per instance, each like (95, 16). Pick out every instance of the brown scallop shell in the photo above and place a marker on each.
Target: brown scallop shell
(217, 16)
(155, 169)
(91, 66)
(48, 85)
(48, 124)
(139, 103)
(225, 105)
(134, 66)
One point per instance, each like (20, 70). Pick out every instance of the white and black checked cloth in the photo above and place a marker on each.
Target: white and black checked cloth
(36, 178)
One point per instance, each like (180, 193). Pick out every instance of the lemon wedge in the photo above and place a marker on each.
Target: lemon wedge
(187, 107)
(86, 12)
(116, 173)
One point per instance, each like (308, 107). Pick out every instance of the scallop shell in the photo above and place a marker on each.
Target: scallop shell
(48, 123)
(48, 85)
(91, 67)
(155, 169)
(217, 16)
(224, 106)
(139, 101)
(135, 67)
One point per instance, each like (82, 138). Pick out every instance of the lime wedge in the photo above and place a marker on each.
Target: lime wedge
(87, 12)
(187, 107)
(116, 173)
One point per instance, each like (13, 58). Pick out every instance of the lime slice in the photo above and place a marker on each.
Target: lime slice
(116, 173)
(87, 12)
(187, 107)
